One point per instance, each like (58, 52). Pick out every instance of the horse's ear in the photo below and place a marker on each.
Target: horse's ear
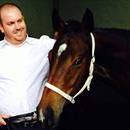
(56, 20)
(88, 21)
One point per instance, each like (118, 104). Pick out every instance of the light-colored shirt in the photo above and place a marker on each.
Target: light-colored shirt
(23, 70)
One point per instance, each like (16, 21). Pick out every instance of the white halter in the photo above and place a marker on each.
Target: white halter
(87, 83)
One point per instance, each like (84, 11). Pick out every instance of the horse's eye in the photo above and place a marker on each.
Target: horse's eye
(77, 61)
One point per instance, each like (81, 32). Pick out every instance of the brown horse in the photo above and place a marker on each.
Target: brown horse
(84, 58)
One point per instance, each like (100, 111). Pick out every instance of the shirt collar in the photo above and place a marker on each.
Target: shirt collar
(27, 40)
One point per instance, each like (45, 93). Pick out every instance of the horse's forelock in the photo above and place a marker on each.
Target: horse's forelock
(72, 26)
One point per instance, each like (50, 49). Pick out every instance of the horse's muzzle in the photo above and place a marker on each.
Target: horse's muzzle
(49, 119)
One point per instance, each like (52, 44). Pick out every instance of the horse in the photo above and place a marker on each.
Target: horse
(89, 76)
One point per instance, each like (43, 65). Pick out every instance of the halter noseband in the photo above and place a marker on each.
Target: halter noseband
(87, 83)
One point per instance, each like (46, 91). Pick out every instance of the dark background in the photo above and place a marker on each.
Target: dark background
(107, 13)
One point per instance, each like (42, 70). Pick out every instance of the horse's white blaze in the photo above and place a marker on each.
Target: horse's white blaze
(61, 49)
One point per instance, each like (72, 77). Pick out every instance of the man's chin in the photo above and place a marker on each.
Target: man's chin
(20, 39)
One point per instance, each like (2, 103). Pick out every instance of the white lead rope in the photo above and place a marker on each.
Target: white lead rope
(87, 83)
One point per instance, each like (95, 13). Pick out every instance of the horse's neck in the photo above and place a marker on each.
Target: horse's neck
(112, 58)
(112, 51)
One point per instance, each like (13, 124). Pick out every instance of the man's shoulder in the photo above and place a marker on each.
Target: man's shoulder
(42, 38)
(45, 37)
(43, 43)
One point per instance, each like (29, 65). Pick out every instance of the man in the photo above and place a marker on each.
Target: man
(23, 71)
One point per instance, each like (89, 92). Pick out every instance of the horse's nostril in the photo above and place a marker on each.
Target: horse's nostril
(49, 118)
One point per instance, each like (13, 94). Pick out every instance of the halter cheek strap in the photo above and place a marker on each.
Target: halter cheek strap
(87, 83)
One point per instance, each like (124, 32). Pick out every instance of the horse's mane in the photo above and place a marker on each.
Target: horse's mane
(112, 56)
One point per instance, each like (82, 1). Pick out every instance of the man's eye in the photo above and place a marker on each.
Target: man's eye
(20, 20)
(11, 23)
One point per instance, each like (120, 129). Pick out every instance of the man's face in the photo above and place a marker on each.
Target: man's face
(13, 25)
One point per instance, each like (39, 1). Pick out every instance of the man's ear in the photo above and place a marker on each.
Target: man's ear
(1, 32)
(1, 28)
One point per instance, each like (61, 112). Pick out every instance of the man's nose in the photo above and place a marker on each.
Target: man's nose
(17, 26)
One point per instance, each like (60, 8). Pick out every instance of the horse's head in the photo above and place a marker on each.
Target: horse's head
(69, 66)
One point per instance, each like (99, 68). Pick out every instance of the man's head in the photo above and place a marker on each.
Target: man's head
(12, 23)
